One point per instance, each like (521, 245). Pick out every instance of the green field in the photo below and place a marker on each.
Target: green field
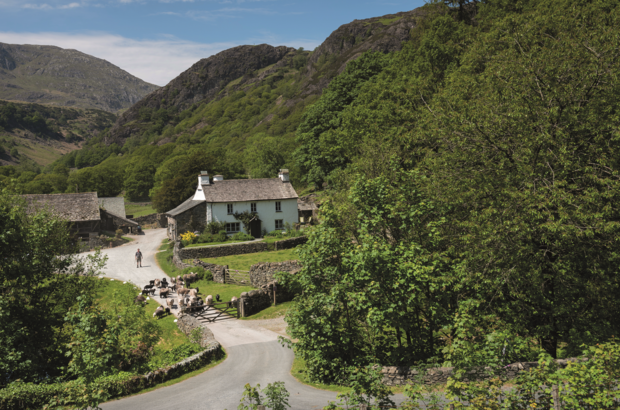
(272, 312)
(226, 292)
(244, 262)
(171, 335)
(139, 209)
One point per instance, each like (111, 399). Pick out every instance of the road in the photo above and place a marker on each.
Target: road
(253, 353)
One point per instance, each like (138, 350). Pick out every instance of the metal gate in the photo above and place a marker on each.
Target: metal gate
(215, 312)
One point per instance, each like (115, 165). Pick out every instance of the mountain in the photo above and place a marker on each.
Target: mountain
(41, 134)
(61, 77)
(241, 67)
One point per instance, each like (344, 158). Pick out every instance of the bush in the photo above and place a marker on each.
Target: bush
(220, 237)
(119, 233)
(163, 359)
(241, 236)
(215, 227)
(200, 272)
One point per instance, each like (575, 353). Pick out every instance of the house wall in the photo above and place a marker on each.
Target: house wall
(190, 220)
(266, 212)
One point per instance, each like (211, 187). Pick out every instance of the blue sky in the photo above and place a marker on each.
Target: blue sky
(156, 40)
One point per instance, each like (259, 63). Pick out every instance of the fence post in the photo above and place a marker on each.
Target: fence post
(260, 407)
(451, 406)
(555, 393)
(363, 406)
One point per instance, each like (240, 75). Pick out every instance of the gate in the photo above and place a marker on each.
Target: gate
(237, 277)
(216, 312)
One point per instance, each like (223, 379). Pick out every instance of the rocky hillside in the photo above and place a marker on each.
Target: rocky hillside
(52, 75)
(241, 67)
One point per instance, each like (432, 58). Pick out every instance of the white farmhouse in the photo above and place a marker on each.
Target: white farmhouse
(274, 200)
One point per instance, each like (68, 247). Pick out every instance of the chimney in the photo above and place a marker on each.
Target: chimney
(203, 178)
(218, 178)
(283, 175)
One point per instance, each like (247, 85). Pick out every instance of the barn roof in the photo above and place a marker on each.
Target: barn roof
(245, 190)
(115, 206)
(80, 207)
(185, 206)
(121, 221)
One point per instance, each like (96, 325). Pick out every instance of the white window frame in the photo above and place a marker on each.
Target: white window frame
(278, 206)
(230, 208)
(253, 207)
(281, 224)
(236, 227)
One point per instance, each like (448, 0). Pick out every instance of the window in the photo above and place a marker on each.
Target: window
(232, 227)
(253, 207)
(278, 206)
(279, 223)
(230, 209)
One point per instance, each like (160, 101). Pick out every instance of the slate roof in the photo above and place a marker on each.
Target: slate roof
(245, 190)
(115, 206)
(80, 207)
(125, 221)
(306, 205)
(185, 206)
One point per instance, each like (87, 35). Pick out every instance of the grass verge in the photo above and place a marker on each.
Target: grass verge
(198, 245)
(272, 312)
(171, 335)
(164, 258)
(243, 262)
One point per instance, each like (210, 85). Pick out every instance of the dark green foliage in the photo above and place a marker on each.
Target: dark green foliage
(322, 149)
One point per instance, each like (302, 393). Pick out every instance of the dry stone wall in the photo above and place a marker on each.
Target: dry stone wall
(224, 250)
(290, 243)
(254, 301)
(187, 323)
(261, 274)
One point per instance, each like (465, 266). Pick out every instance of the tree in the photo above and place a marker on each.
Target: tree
(40, 278)
(526, 149)
(139, 180)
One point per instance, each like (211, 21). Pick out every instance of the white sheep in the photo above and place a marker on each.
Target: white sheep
(170, 303)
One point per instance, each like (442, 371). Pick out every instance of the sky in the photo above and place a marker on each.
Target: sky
(156, 40)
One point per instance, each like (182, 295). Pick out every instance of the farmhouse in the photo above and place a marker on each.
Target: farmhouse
(113, 215)
(273, 202)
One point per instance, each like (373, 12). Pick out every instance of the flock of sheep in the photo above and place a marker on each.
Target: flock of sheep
(188, 298)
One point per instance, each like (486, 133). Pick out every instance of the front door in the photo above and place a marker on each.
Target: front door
(255, 228)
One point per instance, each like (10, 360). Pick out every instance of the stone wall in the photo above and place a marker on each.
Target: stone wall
(399, 376)
(224, 250)
(254, 301)
(218, 271)
(187, 323)
(191, 220)
(154, 220)
(290, 243)
(262, 273)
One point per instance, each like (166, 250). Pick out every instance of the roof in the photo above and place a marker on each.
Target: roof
(124, 220)
(306, 206)
(72, 207)
(243, 190)
(113, 205)
(185, 206)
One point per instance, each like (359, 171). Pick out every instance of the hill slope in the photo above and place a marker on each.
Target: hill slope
(52, 75)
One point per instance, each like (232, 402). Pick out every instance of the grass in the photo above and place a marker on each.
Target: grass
(226, 292)
(387, 22)
(161, 257)
(243, 262)
(178, 379)
(139, 209)
(300, 372)
(171, 335)
(272, 312)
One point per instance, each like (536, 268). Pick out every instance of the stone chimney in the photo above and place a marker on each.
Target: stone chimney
(218, 178)
(203, 178)
(283, 175)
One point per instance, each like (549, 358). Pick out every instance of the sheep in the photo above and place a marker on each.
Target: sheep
(209, 300)
(157, 283)
(170, 303)
(181, 302)
(183, 291)
(233, 302)
(217, 298)
(192, 301)
(163, 293)
(193, 292)
(140, 299)
(187, 278)
(167, 310)
(151, 282)
(146, 292)
(158, 312)
(173, 280)
(179, 279)
(193, 277)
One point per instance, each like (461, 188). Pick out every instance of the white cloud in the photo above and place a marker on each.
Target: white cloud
(155, 61)
(70, 6)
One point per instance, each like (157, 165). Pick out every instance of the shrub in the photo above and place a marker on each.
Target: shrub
(240, 236)
(119, 233)
(220, 237)
(215, 227)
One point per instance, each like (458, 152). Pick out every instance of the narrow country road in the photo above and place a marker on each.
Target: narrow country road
(254, 354)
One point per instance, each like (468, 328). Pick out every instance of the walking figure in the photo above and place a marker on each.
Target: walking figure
(138, 259)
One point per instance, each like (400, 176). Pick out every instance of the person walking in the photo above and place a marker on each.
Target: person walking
(138, 259)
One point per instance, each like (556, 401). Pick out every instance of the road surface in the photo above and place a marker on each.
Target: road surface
(254, 354)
